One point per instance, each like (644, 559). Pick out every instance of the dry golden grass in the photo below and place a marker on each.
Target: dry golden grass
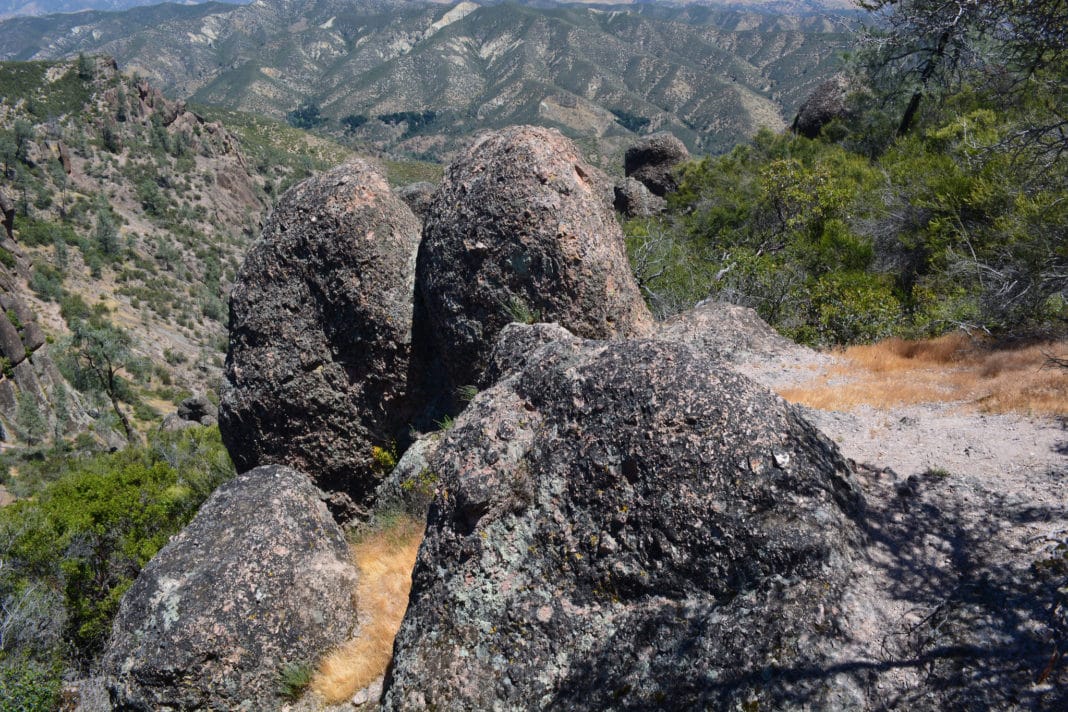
(385, 559)
(952, 368)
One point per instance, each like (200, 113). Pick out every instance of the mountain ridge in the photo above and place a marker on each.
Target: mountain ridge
(601, 73)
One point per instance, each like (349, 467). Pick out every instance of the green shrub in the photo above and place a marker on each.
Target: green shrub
(88, 532)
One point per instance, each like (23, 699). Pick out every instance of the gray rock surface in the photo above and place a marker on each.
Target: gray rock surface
(260, 578)
(827, 102)
(653, 160)
(320, 333)
(520, 230)
(633, 200)
(418, 196)
(7, 212)
(725, 332)
(623, 525)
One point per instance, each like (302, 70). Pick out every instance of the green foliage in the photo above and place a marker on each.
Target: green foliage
(383, 459)
(352, 122)
(629, 121)
(306, 116)
(87, 533)
(30, 423)
(947, 226)
(29, 685)
(294, 678)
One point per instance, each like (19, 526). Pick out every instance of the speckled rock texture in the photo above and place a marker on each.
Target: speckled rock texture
(520, 230)
(633, 200)
(260, 578)
(623, 526)
(725, 332)
(320, 333)
(653, 160)
(827, 102)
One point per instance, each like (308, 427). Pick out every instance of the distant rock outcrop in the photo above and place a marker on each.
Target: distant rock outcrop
(193, 411)
(634, 200)
(827, 102)
(628, 526)
(260, 579)
(7, 209)
(320, 333)
(653, 160)
(520, 231)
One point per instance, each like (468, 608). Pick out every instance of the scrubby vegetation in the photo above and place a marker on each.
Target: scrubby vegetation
(937, 203)
(72, 549)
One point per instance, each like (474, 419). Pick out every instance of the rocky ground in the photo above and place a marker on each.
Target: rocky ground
(961, 601)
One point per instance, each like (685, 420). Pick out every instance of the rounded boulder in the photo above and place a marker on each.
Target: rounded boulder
(320, 334)
(520, 230)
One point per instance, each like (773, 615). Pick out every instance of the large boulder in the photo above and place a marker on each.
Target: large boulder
(260, 579)
(623, 525)
(7, 211)
(828, 101)
(520, 230)
(320, 333)
(653, 160)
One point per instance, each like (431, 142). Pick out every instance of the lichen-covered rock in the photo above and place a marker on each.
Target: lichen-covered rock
(653, 160)
(633, 200)
(320, 332)
(621, 525)
(520, 230)
(261, 578)
(828, 101)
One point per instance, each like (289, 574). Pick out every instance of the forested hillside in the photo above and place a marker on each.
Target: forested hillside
(930, 198)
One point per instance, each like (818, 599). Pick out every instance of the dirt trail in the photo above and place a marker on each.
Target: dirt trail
(961, 601)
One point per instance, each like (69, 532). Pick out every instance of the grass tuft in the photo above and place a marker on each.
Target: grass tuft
(952, 368)
(385, 559)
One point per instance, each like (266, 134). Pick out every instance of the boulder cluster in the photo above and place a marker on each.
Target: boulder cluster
(616, 519)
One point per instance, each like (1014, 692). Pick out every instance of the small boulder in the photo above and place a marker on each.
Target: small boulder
(11, 346)
(417, 196)
(634, 200)
(829, 101)
(725, 332)
(520, 230)
(653, 160)
(198, 409)
(320, 333)
(260, 579)
(623, 525)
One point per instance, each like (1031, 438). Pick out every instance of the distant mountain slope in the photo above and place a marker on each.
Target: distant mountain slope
(12, 8)
(133, 208)
(415, 76)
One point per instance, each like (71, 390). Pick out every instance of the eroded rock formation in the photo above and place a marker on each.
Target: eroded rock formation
(653, 160)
